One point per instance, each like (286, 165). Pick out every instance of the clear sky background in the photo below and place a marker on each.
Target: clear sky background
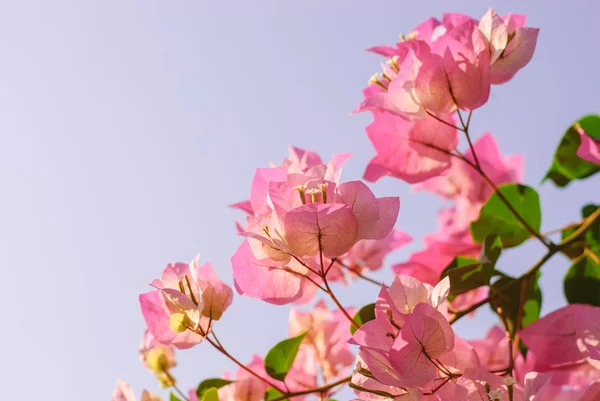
(127, 127)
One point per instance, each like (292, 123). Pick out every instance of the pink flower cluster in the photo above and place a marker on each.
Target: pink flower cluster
(442, 68)
(305, 229)
(299, 217)
(410, 352)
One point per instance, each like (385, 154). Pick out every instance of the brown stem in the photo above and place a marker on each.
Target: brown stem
(510, 207)
(323, 389)
(352, 271)
(464, 312)
(217, 345)
(328, 289)
(483, 175)
(338, 304)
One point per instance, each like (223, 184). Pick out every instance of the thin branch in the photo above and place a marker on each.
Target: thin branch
(352, 271)
(217, 345)
(509, 205)
(322, 389)
(457, 315)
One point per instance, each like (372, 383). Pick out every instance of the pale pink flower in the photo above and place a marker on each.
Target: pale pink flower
(155, 355)
(326, 338)
(186, 296)
(411, 151)
(124, 392)
(425, 336)
(511, 44)
(572, 333)
(369, 254)
(304, 223)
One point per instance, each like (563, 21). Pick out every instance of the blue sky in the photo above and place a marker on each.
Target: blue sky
(127, 127)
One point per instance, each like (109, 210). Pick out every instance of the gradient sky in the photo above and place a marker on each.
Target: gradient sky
(128, 126)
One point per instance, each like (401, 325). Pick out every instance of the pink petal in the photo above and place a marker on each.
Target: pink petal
(412, 364)
(426, 335)
(592, 393)
(329, 227)
(408, 150)
(452, 20)
(374, 335)
(563, 331)
(264, 279)
(260, 186)
(536, 385)
(401, 91)
(496, 31)
(123, 392)
(467, 65)
(244, 206)
(380, 366)
(517, 55)
(375, 217)
(406, 293)
(430, 329)
(158, 322)
(432, 87)
(589, 149)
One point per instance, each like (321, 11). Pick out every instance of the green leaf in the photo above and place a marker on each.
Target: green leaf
(466, 278)
(496, 218)
(173, 397)
(589, 240)
(505, 296)
(211, 394)
(365, 314)
(211, 383)
(582, 281)
(280, 358)
(272, 394)
(566, 165)
(490, 250)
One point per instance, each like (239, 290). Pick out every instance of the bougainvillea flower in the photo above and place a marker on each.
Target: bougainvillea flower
(157, 357)
(158, 321)
(186, 296)
(406, 292)
(326, 339)
(492, 350)
(368, 388)
(572, 333)
(429, 31)
(246, 387)
(412, 151)
(453, 73)
(589, 149)
(511, 44)
(425, 337)
(330, 221)
(300, 167)
(217, 296)
(369, 254)
(124, 392)
(267, 279)
(466, 63)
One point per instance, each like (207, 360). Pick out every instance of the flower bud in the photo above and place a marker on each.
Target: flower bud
(179, 322)
(157, 360)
